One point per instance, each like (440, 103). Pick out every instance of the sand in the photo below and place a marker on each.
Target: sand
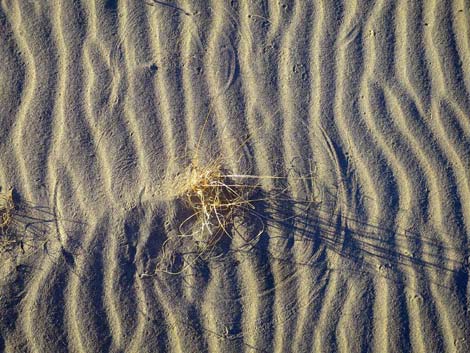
(104, 103)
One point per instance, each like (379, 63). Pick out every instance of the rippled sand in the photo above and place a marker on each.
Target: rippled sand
(102, 103)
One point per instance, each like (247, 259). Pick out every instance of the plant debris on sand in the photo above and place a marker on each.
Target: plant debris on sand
(7, 206)
(215, 201)
(211, 203)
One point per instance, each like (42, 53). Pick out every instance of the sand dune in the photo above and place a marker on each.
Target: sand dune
(104, 103)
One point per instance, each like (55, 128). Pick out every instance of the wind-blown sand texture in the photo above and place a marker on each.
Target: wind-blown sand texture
(100, 102)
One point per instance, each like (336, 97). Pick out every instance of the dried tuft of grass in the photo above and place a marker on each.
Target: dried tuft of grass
(214, 199)
(7, 206)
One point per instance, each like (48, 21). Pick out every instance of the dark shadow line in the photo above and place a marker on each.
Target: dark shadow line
(174, 7)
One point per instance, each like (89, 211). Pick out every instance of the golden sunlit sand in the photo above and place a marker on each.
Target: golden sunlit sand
(234, 176)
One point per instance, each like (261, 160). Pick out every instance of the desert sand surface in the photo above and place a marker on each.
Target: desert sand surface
(358, 110)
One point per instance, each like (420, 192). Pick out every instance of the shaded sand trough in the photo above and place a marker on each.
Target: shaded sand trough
(104, 102)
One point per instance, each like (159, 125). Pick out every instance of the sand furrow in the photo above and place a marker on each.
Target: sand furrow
(293, 80)
(452, 130)
(333, 84)
(149, 326)
(448, 78)
(439, 40)
(413, 71)
(182, 334)
(111, 128)
(37, 308)
(34, 118)
(165, 47)
(47, 295)
(219, 138)
(311, 252)
(355, 325)
(141, 107)
(310, 304)
(32, 29)
(221, 75)
(442, 39)
(294, 93)
(168, 318)
(380, 123)
(265, 312)
(433, 130)
(137, 71)
(259, 87)
(450, 183)
(153, 328)
(328, 158)
(262, 310)
(79, 231)
(13, 73)
(399, 315)
(77, 139)
(257, 303)
(120, 297)
(333, 119)
(461, 30)
(221, 312)
(197, 103)
(425, 251)
(87, 318)
(325, 339)
(388, 209)
(405, 188)
(368, 202)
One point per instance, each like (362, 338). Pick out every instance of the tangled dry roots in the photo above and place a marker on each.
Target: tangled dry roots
(213, 200)
(216, 202)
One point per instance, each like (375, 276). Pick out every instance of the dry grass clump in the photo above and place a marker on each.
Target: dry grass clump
(7, 206)
(214, 200)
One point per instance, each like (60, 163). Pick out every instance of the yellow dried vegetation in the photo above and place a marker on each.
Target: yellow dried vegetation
(216, 200)
(7, 207)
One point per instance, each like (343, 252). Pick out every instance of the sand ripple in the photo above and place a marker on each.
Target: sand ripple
(101, 101)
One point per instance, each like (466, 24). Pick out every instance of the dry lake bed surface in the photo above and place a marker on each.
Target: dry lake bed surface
(234, 176)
